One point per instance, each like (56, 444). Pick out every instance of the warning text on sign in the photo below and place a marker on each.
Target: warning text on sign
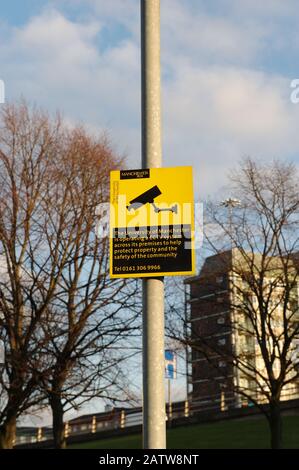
(145, 250)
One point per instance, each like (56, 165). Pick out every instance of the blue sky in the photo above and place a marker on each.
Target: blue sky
(227, 67)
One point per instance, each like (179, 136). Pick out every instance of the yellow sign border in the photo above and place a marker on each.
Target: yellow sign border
(173, 178)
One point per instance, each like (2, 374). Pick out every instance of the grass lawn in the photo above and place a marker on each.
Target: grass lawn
(247, 433)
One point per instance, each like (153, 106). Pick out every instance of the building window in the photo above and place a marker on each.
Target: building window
(221, 342)
(196, 354)
(219, 279)
(222, 364)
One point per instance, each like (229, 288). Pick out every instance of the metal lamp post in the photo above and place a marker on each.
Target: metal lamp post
(230, 204)
(154, 432)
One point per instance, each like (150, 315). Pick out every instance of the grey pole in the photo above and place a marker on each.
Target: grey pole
(154, 426)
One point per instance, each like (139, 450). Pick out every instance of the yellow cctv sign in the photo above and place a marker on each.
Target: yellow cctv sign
(152, 222)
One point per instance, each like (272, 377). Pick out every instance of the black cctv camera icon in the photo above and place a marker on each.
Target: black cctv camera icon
(148, 198)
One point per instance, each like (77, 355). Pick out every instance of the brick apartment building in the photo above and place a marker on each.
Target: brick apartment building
(209, 315)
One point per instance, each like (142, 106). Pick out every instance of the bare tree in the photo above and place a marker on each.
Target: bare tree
(259, 271)
(29, 141)
(61, 323)
(92, 318)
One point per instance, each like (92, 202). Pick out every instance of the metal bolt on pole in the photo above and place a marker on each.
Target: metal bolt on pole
(154, 429)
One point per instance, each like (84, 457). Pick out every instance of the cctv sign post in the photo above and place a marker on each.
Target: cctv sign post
(152, 223)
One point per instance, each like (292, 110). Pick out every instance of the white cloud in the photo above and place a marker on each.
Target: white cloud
(217, 115)
(56, 62)
(207, 38)
(217, 105)
(52, 32)
(124, 12)
(269, 8)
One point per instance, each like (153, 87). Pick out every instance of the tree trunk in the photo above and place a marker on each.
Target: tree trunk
(275, 421)
(8, 433)
(58, 425)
